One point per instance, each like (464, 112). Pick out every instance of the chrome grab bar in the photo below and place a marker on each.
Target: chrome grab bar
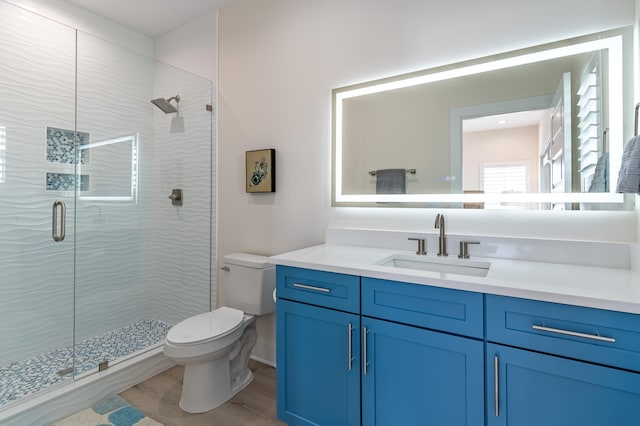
(57, 237)
(310, 287)
(574, 333)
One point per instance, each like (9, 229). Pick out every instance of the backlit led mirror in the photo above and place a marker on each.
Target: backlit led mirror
(538, 128)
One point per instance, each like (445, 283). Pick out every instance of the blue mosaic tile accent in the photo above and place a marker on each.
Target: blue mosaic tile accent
(61, 146)
(65, 182)
(32, 375)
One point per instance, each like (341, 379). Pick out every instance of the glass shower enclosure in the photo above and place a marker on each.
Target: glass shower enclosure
(96, 261)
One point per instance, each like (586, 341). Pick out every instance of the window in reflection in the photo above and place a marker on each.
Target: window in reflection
(494, 145)
(504, 178)
(3, 154)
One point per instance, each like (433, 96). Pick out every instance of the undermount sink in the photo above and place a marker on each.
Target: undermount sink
(437, 264)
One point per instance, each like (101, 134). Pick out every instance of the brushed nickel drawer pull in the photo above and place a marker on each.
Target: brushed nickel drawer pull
(310, 287)
(574, 333)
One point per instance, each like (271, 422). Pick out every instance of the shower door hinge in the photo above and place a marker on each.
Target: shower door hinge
(209, 107)
(103, 365)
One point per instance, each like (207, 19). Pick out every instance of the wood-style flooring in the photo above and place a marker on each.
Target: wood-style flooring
(255, 405)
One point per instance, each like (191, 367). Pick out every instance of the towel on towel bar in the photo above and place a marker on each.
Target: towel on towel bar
(629, 177)
(600, 182)
(390, 181)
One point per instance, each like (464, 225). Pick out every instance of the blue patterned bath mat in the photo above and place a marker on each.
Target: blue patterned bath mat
(112, 411)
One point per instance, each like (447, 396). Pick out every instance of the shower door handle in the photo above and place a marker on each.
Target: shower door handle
(55, 234)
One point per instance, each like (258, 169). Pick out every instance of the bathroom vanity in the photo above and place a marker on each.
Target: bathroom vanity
(361, 340)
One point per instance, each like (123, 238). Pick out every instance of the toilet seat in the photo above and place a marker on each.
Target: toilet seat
(205, 327)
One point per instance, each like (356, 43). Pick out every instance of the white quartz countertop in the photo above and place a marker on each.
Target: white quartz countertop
(615, 289)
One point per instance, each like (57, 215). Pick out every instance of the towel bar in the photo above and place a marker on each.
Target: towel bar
(412, 171)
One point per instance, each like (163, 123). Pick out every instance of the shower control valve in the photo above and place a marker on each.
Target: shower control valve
(176, 197)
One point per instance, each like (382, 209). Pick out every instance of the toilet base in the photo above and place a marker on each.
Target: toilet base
(199, 399)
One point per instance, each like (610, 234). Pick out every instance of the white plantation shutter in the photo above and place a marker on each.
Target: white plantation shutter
(503, 178)
(589, 121)
(499, 179)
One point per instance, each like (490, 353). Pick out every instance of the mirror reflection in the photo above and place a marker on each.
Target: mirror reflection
(540, 129)
(111, 169)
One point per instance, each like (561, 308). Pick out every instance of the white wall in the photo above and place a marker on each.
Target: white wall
(88, 22)
(279, 60)
(192, 47)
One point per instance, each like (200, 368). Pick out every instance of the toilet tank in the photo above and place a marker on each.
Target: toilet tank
(249, 281)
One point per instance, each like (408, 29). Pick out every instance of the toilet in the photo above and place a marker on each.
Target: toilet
(215, 346)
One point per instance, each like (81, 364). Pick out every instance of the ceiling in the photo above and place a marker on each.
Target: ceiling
(150, 17)
(504, 121)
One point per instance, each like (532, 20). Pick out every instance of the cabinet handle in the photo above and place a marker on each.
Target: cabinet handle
(310, 287)
(496, 389)
(365, 363)
(350, 346)
(574, 333)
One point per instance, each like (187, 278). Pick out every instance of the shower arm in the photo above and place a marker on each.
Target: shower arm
(177, 99)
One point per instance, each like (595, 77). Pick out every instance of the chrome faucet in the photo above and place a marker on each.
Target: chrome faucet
(442, 241)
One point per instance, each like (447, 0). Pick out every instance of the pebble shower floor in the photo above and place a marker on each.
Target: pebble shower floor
(26, 377)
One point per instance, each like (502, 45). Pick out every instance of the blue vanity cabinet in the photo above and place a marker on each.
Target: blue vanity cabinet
(362, 351)
(317, 347)
(555, 365)
(413, 375)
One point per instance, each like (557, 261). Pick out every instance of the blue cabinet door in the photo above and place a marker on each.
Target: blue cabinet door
(536, 389)
(420, 377)
(318, 365)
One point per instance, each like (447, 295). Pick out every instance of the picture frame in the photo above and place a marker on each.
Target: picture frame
(261, 170)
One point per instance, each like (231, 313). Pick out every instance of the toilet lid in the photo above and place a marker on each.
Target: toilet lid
(206, 326)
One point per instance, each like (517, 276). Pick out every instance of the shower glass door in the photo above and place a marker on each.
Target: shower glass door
(37, 168)
(142, 264)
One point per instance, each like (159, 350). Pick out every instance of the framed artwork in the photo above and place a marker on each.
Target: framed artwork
(261, 170)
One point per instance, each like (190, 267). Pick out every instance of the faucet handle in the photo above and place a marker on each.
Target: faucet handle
(464, 249)
(422, 245)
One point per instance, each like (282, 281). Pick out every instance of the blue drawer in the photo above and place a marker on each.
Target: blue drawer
(600, 336)
(327, 289)
(452, 311)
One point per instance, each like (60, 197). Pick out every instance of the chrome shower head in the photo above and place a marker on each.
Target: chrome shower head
(165, 104)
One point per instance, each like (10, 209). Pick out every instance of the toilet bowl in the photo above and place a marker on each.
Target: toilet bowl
(215, 346)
